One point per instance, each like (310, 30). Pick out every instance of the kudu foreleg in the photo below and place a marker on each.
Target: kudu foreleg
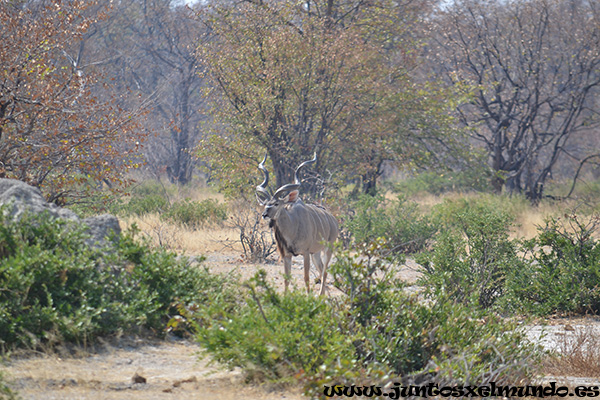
(287, 266)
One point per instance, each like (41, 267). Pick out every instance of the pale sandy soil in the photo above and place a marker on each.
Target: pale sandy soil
(171, 370)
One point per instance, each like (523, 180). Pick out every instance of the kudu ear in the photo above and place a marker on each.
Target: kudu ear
(292, 196)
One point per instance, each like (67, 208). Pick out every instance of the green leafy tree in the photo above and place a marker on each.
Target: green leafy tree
(331, 77)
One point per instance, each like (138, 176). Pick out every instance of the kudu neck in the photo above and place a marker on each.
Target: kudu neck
(286, 212)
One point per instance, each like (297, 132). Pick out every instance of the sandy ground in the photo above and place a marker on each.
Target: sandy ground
(135, 370)
(230, 263)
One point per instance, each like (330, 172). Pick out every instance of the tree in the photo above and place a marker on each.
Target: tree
(294, 78)
(535, 66)
(151, 44)
(54, 133)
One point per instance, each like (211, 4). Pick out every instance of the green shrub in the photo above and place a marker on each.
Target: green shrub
(143, 205)
(474, 261)
(374, 334)
(410, 337)
(562, 269)
(54, 286)
(387, 325)
(472, 255)
(471, 345)
(151, 188)
(149, 197)
(398, 221)
(97, 202)
(273, 336)
(443, 215)
(196, 214)
(153, 198)
(438, 183)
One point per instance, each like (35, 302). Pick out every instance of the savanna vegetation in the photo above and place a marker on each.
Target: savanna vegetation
(460, 135)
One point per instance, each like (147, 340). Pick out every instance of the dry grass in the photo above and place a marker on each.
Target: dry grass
(237, 234)
(530, 218)
(211, 238)
(577, 352)
(198, 194)
(182, 240)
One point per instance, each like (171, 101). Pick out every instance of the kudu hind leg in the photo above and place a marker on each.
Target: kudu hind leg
(318, 263)
(307, 271)
(328, 254)
(322, 271)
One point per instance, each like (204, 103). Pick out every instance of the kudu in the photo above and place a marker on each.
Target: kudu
(300, 229)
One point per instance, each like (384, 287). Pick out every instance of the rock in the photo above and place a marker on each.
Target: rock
(138, 379)
(19, 198)
(101, 228)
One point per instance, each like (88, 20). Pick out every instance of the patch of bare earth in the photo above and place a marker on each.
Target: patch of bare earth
(134, 370)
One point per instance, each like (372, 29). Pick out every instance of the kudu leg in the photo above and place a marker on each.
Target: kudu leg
(307, 272)
(318, 263)
(287, 266)
(322, 271)
(328, 254)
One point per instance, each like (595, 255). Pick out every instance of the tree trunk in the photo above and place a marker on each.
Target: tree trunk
(369, 180)
(369, 184)
(497, 164)
(181, 168)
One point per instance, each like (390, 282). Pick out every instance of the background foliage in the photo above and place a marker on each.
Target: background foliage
(61, 127)
(55, 289)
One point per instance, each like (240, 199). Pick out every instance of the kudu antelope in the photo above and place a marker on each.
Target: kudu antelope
(300, 229)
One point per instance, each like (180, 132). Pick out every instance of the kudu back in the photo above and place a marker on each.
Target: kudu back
(302, 229)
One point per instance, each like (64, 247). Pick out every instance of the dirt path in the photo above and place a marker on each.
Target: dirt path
(136, 370)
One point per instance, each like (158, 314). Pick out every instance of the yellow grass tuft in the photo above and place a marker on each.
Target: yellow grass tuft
(530, 218)
(210, 239)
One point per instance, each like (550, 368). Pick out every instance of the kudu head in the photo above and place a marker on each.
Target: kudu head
(286, 194)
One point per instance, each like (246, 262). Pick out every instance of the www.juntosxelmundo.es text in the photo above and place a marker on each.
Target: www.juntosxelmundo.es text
(398, 391)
